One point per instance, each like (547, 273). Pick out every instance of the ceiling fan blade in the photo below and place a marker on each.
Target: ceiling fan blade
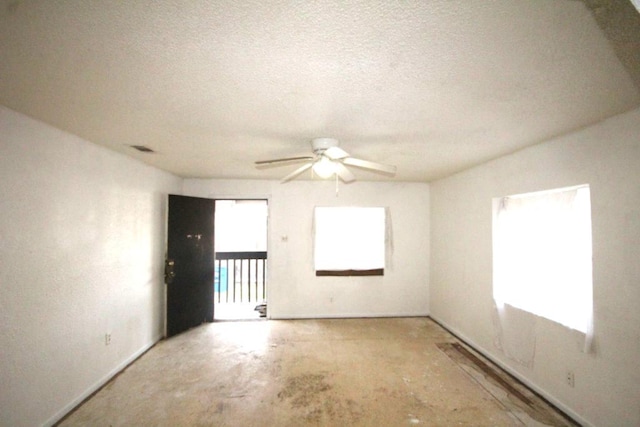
(365, 164)
(285, 160)
(345, 174)
(335, 153)
(296, 172)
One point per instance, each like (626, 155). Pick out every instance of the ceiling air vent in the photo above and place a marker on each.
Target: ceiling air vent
(142, 148)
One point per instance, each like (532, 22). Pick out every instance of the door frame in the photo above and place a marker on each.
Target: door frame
(216, 197)
(266, 199)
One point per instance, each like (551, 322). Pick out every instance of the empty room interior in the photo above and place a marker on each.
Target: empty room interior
(451, 192)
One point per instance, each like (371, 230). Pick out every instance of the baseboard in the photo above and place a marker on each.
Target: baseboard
(345, 316)
(68, 408)
(551, 399)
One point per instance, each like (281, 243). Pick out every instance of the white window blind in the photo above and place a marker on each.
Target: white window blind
(349, 238)
(542, 255)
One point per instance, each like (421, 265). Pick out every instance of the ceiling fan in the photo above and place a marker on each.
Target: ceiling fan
(328, 159)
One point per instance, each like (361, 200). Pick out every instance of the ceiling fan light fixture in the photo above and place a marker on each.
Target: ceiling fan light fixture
(319, 145)
(324, 168)
(328, 160)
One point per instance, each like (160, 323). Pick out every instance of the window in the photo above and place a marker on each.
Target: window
(542, 255)
(349, 241)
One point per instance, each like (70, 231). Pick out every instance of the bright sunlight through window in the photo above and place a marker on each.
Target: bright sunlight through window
(542, 255)
(349, 238)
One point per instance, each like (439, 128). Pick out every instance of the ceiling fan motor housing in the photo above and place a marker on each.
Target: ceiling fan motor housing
(321, 144)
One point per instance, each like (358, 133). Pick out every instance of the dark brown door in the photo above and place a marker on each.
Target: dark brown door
(190, 249)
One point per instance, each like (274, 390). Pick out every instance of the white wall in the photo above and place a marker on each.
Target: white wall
(606, 156)
(293, 289)
(81, 242)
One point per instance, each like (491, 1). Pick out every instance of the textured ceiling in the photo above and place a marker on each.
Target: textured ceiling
(430, 86)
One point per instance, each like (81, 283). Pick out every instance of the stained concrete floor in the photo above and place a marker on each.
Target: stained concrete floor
(352, 372)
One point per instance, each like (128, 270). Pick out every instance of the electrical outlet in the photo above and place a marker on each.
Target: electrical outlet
(570, 379)
(107, 339)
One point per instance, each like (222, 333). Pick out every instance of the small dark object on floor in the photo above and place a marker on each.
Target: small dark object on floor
(262, 309)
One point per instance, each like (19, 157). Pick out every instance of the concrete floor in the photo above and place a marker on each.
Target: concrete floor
(355, 372)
